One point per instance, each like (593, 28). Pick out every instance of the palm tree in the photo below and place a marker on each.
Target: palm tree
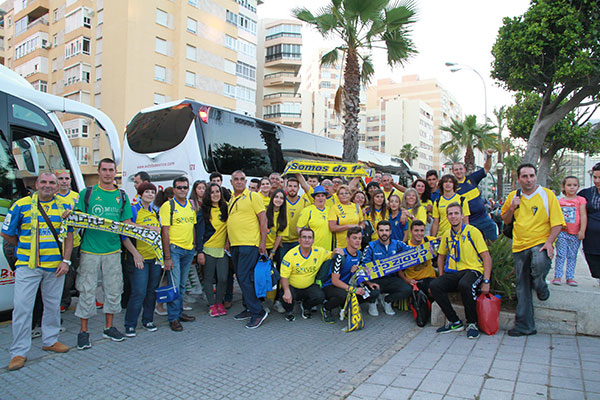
(409, 153)
(361, 25)
(504, 146)
(469, 135)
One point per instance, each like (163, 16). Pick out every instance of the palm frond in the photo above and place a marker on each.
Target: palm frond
(367, 70)
(330, 58)
(338, 102)
(303, 14)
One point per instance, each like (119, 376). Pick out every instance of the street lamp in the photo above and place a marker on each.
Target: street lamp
(459, 67)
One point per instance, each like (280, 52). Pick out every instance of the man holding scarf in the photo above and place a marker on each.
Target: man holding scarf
(32, 225)
(463, 263)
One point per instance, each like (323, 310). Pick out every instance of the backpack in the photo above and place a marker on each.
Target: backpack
(420, 305)
(507, 229)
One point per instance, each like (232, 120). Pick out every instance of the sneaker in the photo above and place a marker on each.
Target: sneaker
(290, 317)
(243, 315)
(187, 307)
(63, 309)
(373, 309)
(556, 281)
(83, 341)
(516, 333)
(387, 307)
(214, 311)
(222, 310)
(306, 314)
(130, 331)
(160, 310)
(150, 327)
(113, 334)
(544, 295)
(451, 327)
(472, 331)
(342, 312)
(277, 306)
(255, 322)
(36, 332)
(99, 305)
(327, 317)
(62, 329)
(572, 282)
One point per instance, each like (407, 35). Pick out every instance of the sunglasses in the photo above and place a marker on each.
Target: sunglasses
(182, 187)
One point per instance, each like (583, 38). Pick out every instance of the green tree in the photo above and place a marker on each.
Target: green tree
(468, 135)
(361, 25)
(409, 153)
(552, 50)
(573, 132)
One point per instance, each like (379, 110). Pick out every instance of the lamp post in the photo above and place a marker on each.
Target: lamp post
(458, 67)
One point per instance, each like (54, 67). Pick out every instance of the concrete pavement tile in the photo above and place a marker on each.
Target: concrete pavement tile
(535, 368)
(369, 390)
(587, 356)
(567, 383)
(476, 365)
(381, 378)
(467, 386)
(590, 375)
(448, 397)
(565, 394)
(566, 372)
(508, 356)
(415, 372)
(521, 396)
(589, 365)
(505, 364)
(421, 363)
(530, 377)
(563, 362)
(407, 382)
(531, 389)
(401, 360)
(420, 395)
(437, 383)
(568, 354)
(502, 385)
(592, 386)
(395, 393)
(592, 396)
(490, 394)
(510, 374)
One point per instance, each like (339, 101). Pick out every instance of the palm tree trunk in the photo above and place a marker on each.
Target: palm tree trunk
(351, 106)
(469, 160)
(500, 181)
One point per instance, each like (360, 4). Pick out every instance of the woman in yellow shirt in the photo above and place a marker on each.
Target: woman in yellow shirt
(412, 208)
(265, 191)
(343, 216)
(211, 247)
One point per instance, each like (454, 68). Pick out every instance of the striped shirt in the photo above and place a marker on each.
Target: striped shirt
(18, 223)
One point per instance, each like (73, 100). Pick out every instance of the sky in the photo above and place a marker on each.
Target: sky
(460, 31)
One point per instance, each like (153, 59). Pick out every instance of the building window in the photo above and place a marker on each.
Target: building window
(190, 79)
(246, 48)
(87, 22)
(40, 85)
(159, 98)
(230, 67)
(160, 73)
(285, 51)
(229, 90)
(162, 18)
(283, 30)
(231, 17)
(190, 52)
(230, 42)
(193, 3)
(247, 24)
(55, 14)
(21, 25)
(246, 94)
(245, 71)
(81, 153)
(161, 46)
(78, 46)
(246, 4)
(192, 25)
(99, 73)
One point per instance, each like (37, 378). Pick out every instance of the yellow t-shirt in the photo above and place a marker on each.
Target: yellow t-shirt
(272, 234)
(425, 204)
(332, 201)
(265, 199)
(308, 195)
(461, 249)
(420, 213)
(301, 271)
(439, 211)
(146, 218)
(217, 240)
(293, 213)
(423, 270)
(344, 214)
(181, 232)
(379, 216)
(534, 218)
(70, 200)
(243, 228)
(317, 220)
(393, 191)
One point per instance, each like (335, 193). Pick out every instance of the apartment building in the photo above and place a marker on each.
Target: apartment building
(279, 59)
(122, 56)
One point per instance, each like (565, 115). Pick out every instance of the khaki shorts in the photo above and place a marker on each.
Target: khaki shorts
(109, 266)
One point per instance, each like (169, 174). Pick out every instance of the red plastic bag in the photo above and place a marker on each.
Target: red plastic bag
(488, 313)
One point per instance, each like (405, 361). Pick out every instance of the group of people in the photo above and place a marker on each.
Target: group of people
(317, 240)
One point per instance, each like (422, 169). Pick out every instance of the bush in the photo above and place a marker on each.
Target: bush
(503, 276)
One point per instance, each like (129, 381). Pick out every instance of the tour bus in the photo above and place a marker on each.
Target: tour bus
(32, 141)
(188, 138)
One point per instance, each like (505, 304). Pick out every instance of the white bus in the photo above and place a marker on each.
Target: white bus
(193, 139)
(32, 140)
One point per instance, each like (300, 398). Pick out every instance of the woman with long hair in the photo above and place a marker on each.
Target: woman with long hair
(264, 190)
(276, 223)
(424, 192)
(211, 246)
(359, 197)
(343, 215)
(412, 208)
(399, 227)
(377, 210)
(163, 196)
(197, 194)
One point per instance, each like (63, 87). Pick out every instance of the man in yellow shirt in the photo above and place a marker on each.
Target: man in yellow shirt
(463, 263)
(177, 218)
(299, 269)
(423, 274)
(247, 233)
(537, 220)
(387, 185)
(295, 205)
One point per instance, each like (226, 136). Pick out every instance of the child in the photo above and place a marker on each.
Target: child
(569, 238)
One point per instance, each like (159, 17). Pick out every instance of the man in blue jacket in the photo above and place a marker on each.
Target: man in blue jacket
(392, 285)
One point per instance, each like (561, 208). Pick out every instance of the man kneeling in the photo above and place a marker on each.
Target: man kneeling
(298, 271)
(344, 266)
(463, 262)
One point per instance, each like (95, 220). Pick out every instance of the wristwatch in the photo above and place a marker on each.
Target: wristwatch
(68, 262)
(486, 281)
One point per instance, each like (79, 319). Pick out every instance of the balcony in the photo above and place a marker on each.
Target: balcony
(284, 59)
(282, 79)
(281, 97)
(289, 119)
(34, 9)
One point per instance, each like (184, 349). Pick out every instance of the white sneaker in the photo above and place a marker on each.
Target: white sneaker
(277, 306)
(187, 307)
(387, 307)
(342, 314)
(373, 309)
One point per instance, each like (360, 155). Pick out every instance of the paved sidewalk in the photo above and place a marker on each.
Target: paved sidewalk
(450, 366)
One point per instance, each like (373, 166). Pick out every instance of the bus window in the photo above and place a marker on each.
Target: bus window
(160, 130)
(28, 114)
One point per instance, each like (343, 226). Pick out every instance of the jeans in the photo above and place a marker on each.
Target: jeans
(531, 268)
(244, 260)
(336, 297)
(143, 284)
(219, 268)
(229, 287)
(182, 261)
(466, 282)
(310, 297)
(285, 247)
(488, 228)
(394, 287)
